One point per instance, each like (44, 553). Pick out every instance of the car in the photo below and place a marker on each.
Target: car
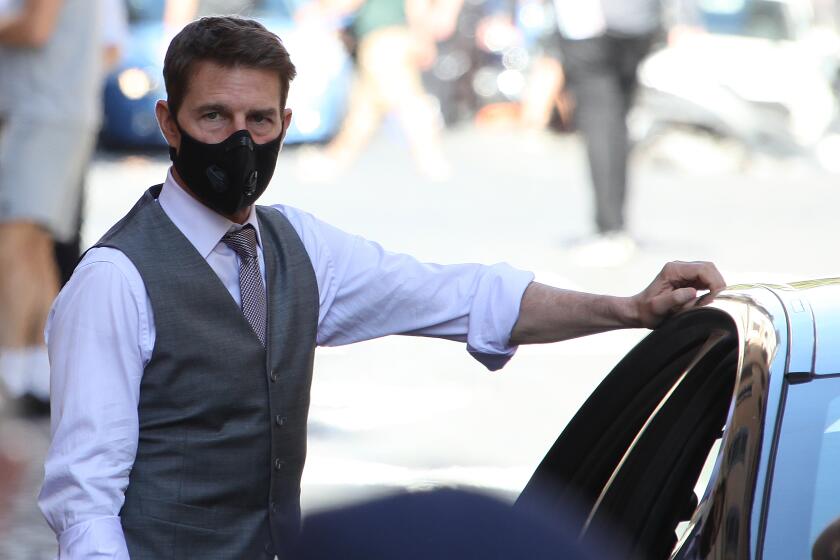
(318, 95)
(716, 437)
(758, 80)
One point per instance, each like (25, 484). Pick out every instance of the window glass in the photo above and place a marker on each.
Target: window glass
(766, 19)
(826, 506)
(805, 491)
(140, 11)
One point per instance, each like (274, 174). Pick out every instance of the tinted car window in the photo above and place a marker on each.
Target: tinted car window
(140, 11)
(145, 10)
(749, 18)
(806, 486)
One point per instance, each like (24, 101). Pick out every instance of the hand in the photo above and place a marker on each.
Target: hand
(673, 289)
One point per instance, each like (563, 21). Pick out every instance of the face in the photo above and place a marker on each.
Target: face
(220, 101)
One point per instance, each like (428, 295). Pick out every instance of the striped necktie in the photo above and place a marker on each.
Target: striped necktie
(251, 290)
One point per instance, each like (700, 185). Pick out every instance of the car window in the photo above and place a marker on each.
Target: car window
(805, 491)
(140, 11)
(766, 19)
(250, 8)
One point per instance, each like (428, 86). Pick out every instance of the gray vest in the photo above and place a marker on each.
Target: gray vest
(222, 420)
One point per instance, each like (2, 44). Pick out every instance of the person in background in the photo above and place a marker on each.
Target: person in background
(544, 91)
(114, 36)
(602, 43)
(395, 42)
(50, 88)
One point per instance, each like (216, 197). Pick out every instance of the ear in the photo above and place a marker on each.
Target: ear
(287, 122)
(168, 126)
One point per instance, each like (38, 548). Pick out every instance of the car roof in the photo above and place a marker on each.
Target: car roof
(808, 312)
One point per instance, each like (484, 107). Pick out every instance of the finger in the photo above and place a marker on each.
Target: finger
(701, 275)
(673, 300)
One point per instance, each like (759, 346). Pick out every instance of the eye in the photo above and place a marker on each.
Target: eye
(212, 115)
(261, 119)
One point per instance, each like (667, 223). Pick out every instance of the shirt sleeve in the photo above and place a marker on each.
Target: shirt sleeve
(95, 336)
(367, 292)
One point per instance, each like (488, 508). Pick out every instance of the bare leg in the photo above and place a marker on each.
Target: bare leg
(393, 63)
(541, 93)
(363, 117)
(28, 286)
(28, 283)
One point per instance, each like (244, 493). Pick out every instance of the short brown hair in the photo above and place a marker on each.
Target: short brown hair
(228, 41)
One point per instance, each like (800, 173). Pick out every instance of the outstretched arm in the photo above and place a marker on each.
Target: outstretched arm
(550, 314)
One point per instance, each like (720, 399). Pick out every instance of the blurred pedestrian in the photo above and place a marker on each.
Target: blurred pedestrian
(544, 94)
(114, 19)
(50, 80)
(395, 41)
(602, 43)
(183, 346)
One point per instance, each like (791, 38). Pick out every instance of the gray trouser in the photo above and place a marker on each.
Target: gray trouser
(601, 74)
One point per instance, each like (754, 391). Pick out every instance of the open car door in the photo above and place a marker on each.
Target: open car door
(700, 394)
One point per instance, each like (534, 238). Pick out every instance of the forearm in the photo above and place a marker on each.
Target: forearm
(97, 354)
(15, 32)
(32, 26)
(550, 314)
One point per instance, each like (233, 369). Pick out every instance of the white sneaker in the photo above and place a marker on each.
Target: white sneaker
(25, 371)
(13, 370)
(609, 249)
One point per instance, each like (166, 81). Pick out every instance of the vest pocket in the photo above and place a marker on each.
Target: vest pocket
(179, 514)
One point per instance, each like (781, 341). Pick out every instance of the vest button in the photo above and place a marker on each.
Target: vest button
(274, 376)
(278, 464)
(280, 420)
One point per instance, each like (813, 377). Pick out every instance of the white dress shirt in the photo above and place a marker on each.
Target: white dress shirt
(101, 332)
(580, 19)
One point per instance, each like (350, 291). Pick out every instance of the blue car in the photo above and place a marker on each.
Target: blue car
(318, 95)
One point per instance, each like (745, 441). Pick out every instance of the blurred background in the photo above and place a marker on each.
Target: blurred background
(735, 158)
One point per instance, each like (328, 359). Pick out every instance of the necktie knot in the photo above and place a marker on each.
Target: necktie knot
(242, 241)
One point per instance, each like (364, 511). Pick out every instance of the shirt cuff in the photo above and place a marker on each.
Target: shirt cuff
(98, 539)
(494, 312)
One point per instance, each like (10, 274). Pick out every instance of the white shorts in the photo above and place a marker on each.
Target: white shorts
(42, 168)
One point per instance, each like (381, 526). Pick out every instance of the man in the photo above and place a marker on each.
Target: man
(182, 346)
(50, 80)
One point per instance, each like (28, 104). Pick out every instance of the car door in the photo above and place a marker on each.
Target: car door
(693, 397)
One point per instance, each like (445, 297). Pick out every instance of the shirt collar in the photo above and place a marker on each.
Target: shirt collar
(202, 226)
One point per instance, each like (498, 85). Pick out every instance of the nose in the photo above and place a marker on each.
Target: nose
(240, 122)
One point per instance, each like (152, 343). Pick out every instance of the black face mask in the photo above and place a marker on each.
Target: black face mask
(227, 176)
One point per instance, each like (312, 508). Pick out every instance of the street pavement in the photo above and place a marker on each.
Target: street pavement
(407, 412)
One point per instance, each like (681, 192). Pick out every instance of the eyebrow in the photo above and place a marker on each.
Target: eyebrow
(211, 108)
(219, 108)
(268, 112)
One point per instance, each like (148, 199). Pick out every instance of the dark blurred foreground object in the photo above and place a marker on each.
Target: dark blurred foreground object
(827, 545)
(440, 524)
